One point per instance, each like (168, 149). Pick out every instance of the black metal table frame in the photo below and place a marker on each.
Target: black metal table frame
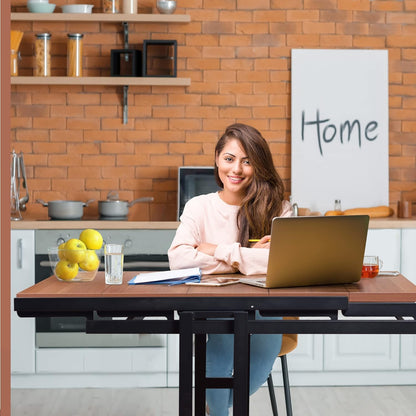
(234, 315)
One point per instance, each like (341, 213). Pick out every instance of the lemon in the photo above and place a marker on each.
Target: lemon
(75, 250)
(92, 239)
(91, 261)
(65, 270)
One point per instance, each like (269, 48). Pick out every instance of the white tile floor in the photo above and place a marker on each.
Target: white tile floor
(307, 401)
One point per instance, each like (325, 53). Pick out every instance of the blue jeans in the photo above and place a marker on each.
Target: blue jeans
(264, 349)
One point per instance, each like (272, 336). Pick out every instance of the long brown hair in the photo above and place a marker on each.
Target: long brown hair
(264, 197)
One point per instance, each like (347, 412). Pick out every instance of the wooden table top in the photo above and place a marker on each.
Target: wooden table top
(380, 289)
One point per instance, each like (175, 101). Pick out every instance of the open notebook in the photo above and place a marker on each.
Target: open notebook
(308, 251)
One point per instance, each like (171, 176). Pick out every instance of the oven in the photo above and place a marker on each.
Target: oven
(193, 181)
(143, 250)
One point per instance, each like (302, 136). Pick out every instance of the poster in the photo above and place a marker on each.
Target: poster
(339, 142)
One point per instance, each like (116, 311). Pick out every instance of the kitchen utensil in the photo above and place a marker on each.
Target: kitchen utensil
(15, 214)
(77, 8)
(40, 7)
(114, 207)
(166, 6)
(65, 210)
(17, 180)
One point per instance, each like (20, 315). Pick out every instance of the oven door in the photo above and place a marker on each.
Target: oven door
(193, 181)
(69, 332)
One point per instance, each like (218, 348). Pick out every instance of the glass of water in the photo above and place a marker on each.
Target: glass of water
(113, 259)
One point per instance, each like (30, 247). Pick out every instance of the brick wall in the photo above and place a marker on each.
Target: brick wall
(237, 55)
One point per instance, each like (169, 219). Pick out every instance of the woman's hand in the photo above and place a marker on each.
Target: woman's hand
(207, 248)
(264, 242)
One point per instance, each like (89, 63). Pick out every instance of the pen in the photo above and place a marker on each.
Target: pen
(255, 240)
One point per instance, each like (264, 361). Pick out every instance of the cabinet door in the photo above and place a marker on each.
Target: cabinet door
(368, 352)
(22, 276)
(408, 342)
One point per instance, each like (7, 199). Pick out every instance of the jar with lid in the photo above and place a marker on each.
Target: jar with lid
(130, 6)
(43, 55)
(74, 60)
(111, 6)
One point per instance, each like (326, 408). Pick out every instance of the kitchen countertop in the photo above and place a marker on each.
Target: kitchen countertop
(33, 224)
(94, 223)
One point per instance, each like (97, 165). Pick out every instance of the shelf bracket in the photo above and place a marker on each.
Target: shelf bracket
(126, 34)
(125, 104)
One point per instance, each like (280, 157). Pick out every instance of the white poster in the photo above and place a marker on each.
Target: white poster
(339, 128)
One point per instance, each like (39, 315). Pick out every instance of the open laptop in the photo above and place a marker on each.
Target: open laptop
(307, 251)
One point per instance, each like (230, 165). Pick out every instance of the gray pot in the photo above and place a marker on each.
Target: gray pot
(118, 208)
(65, 210)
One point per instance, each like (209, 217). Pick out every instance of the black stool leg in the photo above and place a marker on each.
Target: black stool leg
(272, 395)
(286, 384)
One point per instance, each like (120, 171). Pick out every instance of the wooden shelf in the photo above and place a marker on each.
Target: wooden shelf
(101, 17)
(131, 81)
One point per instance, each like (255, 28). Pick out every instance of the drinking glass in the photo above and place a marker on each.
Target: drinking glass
(113, 261)
(371, 266)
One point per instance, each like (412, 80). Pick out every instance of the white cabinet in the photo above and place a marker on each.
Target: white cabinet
(22, 276)
(408, 269)
(368, 352)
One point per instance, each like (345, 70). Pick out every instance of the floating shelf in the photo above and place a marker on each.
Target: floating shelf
(131, 81)
(125, 19)
(101, 17)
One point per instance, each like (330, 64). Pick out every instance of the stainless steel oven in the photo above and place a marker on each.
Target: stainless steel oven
(144, 250)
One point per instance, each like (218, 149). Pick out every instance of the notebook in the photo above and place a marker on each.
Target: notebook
(307, 251)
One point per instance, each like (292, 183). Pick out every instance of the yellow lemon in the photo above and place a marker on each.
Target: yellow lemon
(91, 261)
(92, 239)
(65, 270)
(75, 250)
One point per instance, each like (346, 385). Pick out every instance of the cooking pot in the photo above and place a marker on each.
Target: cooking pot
(65, 210)
(117, 207)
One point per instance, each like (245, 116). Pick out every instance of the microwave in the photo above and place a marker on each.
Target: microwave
(193, 181)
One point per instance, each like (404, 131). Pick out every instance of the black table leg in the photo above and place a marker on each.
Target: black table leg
(200, 373)
(185, 363)
(241, 364)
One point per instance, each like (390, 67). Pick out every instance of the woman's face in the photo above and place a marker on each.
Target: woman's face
(234, 170)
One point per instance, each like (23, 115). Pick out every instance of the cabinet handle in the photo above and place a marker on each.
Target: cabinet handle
(20, 253)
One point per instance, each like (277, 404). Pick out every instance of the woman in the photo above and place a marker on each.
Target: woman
(214, 235)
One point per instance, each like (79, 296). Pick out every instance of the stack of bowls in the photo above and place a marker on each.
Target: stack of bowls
(40, 6)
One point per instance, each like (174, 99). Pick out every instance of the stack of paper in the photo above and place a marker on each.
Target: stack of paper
(170, 277)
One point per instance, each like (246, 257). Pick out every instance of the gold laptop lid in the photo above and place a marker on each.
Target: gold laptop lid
(308, 251)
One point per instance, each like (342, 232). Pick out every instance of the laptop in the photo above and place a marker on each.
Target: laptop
(306, 251)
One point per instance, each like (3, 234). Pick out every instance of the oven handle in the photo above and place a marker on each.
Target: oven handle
(128, 265)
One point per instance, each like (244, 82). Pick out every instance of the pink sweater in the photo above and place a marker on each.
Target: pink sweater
(208, 219)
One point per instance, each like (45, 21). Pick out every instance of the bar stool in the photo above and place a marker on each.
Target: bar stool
(289, 343)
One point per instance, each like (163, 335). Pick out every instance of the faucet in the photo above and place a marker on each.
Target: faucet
(295, 208)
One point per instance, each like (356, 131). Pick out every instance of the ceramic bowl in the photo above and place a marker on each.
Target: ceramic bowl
(37, 1)
(166, 6)
(77, 8)
(66, 268)
(40, 7)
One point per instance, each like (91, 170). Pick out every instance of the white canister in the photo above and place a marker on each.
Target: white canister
(130, 6)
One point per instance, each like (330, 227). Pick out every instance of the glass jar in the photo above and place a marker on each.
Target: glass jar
(43, 55)
(129, 6)
(13, 63)
(74, 60)
(111, 6)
